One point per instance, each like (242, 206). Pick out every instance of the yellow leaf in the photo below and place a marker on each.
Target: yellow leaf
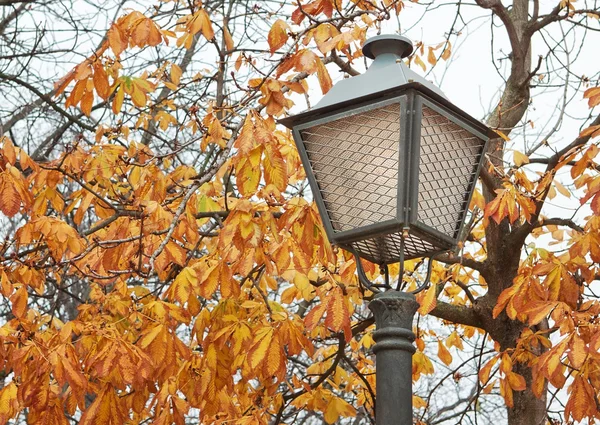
(150, 336)
(428, 300)
(9, 404)
(259, 347)
(337, 407)
(248, 172)
(520, 158)
(578, 351)
(274, 168)
(419, 62)
(175, 74)
(117, 103)
(182, 286)
(516, 381)
(501, 134)
(561, 189)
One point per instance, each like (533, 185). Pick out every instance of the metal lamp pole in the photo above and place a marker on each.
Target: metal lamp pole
(394, 312)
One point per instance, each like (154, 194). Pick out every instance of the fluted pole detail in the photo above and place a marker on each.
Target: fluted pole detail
(394, 312)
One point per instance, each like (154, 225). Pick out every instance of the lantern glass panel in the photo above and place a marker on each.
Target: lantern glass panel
(355, 160)
(449, 157)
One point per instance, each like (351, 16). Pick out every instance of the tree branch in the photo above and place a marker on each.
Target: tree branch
(457, 314)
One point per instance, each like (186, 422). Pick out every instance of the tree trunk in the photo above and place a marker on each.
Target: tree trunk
(503, 255)
(528, 409)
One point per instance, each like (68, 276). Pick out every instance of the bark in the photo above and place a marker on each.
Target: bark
(503, 258)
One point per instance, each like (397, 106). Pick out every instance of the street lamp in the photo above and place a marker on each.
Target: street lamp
(392, 165)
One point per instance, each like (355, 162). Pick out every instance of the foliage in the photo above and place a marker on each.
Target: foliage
(161, 263)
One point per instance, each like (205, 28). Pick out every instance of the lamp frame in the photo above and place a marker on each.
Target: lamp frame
(411, 97)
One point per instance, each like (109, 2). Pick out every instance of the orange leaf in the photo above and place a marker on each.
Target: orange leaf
(106, 409)
(275, 360)
(447, 52)
(19, 302)
(323, 77)
(431, 57)
(578, 351)
(593, 96)
(10, 200)
(539, 312)
(582, 402)
(314, 316)
(444, 354)
(484, 372)
(117, 39)
(278, 35)
(337, 310)
(101, 81)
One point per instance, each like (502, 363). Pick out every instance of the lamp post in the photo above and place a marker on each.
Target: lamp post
(392, 165)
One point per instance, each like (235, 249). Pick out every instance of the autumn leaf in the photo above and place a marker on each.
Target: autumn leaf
(420, 62)
(520, 158)
(431, 57)
(338, 407)
(106, 409)
(278, 35)
(175, 74)
(443, 354)
(581, 400)
(593, 96)
(10, 199)
(427, 300)
(259, 347)
(510, 203)
(19, 302)
(338, 316)
(101, 81)
(9, 404)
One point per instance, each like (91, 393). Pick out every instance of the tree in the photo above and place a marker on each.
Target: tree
(161, 264)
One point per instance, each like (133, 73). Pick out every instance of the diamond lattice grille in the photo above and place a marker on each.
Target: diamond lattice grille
(355, 161)
(386, 249)
(447, 168)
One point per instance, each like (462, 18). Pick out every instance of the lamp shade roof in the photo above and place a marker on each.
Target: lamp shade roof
(387, 75)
